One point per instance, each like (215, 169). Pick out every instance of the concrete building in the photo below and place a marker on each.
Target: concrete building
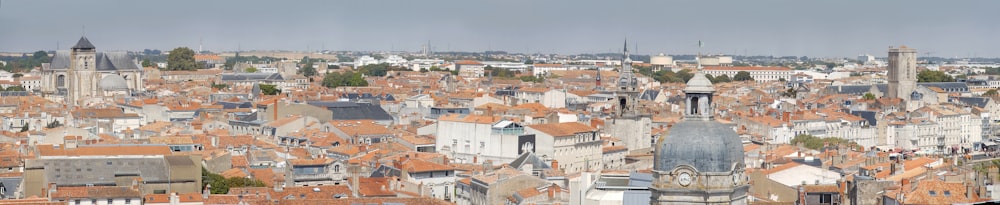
(476, 138)
(661, 61)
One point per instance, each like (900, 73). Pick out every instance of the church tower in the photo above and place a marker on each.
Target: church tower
(82, 75)
(902, 72)
(627, 122)
(627, 91)
(701, 160)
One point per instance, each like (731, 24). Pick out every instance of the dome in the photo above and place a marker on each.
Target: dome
(699, 84)
(113, 82)
(708, 146)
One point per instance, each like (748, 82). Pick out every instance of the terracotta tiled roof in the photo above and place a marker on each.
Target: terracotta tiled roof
(562, 129)
(165, 198)
(95, 192)
(744, 68)
(104, 150)
(420, 165)
(306, 162)
(943, 193)
(821, 188)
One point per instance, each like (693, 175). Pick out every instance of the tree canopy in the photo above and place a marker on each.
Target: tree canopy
(991, 92)
(15, 88)
(250, 70)
(350, 79)
(742, 76)
(308, 70)
(221, 184)
(181, 58)
(817, 143)
(268, 89)
(869, 96)
(934, 76)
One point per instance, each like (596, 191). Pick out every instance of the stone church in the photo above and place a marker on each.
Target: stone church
(82, 74)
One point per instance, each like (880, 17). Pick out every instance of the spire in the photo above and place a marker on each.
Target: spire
(83, 43)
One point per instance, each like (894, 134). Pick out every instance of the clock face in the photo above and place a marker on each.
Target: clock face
(684, 179)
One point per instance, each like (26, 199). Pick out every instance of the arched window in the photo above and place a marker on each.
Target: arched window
(61, 81)
(336, 168)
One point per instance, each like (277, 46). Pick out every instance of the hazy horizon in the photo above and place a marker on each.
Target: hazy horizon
(779, 28)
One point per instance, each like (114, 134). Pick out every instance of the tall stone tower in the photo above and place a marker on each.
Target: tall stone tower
(82, 74)
(902, 72)
(628, 123)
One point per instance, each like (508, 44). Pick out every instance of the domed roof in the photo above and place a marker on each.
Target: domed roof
(708, 146)
(113, 82)
(699, 84)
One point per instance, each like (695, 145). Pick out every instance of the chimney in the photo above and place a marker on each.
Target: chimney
(445, 161)
(552, 191)
(215, 141)
(786, 116)
(174, 199)
(206, 192)
(355, 186)
(555, 164)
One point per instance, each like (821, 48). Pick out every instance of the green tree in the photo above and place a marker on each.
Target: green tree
(817, 143)
(869, 96)
(15, 88)
(268, 89)
(685, 75)
(221, 184)
(219, 86)
(789, 93)
(53, 124)
(742, 76)
(308, 70)
(424, 70)
(25, 127)
(781, 79)
(710, 78)
(181, 58)
(722, 79)
(40, 57)
(435, 68)
(351, 79)
(934, 76)
(17, 75)
(250, 70)
(991, 92)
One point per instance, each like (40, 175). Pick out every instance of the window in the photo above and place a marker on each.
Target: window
(932, 193)
(826, 198)
(77, 202)
(947, 193)
(128, 201)
(111, 201)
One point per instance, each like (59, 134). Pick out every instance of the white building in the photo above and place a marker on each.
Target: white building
(476, 138)
(760, 74)
(364, 60)
(551, 98)
(541, 69)
(575, 146)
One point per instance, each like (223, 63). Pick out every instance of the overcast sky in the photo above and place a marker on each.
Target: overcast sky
(840, 28)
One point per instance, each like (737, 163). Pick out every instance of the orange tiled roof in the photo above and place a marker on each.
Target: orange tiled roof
(562, 129)
(104, 150)
(744, 68)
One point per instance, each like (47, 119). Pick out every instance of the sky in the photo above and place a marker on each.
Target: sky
(841, 28)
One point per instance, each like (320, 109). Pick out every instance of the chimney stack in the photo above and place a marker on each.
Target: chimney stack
(555, 164)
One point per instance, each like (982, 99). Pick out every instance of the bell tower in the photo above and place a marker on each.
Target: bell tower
(81, 81)
(627, 92)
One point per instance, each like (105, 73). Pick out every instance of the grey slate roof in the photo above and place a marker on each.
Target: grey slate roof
(862, 89)
(106, 61)
(10, 185)
(83, 171)
(649, 94)
(638, 179)
(83, 43)
(529, 158)
(386, 171)
(975, 101)
(354, 111)
(867, 115)
(636, 197)
(708, 146)
(251, 76)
